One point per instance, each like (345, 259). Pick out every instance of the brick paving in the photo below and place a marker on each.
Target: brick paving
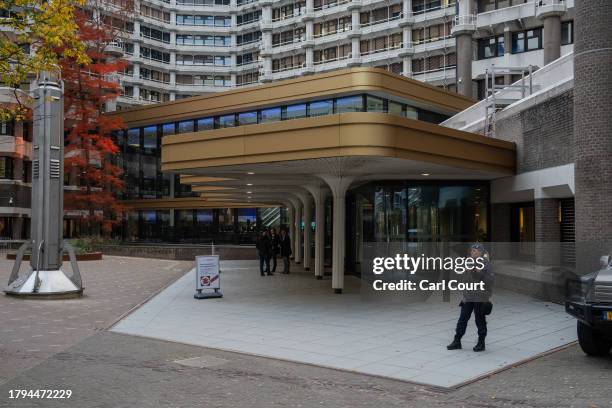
(33, 330)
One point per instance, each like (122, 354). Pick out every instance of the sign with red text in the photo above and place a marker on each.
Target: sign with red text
(207, 272)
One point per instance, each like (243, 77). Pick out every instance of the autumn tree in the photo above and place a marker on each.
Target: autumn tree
(31, 33)
(93, 176)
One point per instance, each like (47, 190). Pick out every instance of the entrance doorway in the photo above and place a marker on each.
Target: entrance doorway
(523, 231)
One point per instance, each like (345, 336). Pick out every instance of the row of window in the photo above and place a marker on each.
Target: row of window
(154, 13)
(490, 5)
(353, 103)
(247, 38)
(249, 17)
(208, 40)
(215, 60)
(522, 41)
(434, 63)
(155, 34)
(288, 11)
(196, 20)
(155, 55)
(204, 80)
(380, 15)
(203, 2)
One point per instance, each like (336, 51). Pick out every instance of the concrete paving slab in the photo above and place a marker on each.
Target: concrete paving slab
(297, 318)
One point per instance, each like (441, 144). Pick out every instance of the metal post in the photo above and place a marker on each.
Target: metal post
(45, 277)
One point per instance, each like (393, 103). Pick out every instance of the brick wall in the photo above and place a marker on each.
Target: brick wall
(543, 134)
(593, 120)
(547, 232)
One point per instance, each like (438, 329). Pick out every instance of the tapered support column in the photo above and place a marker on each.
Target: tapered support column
(306, 235)
(291, 222)
(338, 186)
(318, 194)
(297, 238)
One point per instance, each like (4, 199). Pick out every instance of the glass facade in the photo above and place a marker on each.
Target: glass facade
(218, 225)
(413, 211)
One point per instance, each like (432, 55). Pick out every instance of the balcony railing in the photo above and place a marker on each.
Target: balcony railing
(333, 59)
(292, 41)
(544, 3)
(387, 48)
(289, 68)
(384, 20)
(154, 38)
(248, 22)
(467, 19)
(430, 9)
(330, 5)
(337, 31)
(288, 16)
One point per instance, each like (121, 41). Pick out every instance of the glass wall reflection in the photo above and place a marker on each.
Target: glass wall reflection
(415, 212)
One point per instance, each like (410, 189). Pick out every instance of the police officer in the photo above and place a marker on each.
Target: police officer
(475, 301)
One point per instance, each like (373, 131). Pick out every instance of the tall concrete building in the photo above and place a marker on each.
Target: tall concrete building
(181, 48)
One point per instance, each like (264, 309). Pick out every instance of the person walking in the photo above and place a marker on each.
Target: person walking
(275, 243)
(264, 249)
(285, 249)
(476, 301)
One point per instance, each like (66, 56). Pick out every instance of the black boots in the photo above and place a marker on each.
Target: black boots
(480, 346)
(455, 345)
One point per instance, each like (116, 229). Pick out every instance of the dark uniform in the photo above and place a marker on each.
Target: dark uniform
(475, 301)
(264, 249)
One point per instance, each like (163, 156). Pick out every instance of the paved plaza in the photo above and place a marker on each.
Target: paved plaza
(32, 330)
(297, 318)
(114, 370)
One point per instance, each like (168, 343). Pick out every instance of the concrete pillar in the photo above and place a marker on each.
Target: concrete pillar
(464, 63)
(407, 67)
(592, 124)
(318, 194)
(463, 30)
(355, 51)
(338, 186)
(407, 8)
(552, 38)
(296, 237)
(309, 58)
(306, 235)
(291, 222)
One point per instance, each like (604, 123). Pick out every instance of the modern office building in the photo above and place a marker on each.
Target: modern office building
(181, 48)
(15, 174)
(357, 153)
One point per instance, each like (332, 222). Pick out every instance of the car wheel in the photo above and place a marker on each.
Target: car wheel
(592, 341)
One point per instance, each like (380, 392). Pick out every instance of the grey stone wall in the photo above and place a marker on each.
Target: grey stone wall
(543, 134)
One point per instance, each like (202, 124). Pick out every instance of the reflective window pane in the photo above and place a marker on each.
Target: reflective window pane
(349, 104)
(375, 104)
(247, 118)
(270, 115)
(227, 121)
(295, 111)
(185, 126)
(321, 108)
(206, 124)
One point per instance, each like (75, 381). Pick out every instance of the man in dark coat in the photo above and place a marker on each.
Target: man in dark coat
(275, 241)
(264, 250)
(476, 301)
(285, 249)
